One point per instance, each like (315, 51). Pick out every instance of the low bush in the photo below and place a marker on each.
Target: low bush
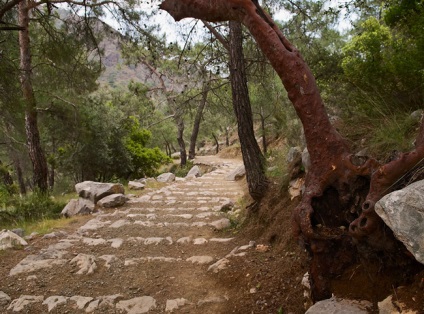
(17, 210)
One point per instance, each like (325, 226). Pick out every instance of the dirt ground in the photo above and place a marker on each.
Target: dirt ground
(278, 273)
(264, 281)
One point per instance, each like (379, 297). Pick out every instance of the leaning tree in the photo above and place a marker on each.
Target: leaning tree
(335, 220)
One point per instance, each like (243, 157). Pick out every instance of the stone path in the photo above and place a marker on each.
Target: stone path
(159, 254)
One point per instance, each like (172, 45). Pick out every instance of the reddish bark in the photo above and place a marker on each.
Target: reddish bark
(341, 188)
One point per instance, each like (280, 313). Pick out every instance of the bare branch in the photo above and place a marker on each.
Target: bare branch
(218, 36)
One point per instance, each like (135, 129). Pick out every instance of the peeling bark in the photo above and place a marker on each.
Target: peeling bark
(336, 216)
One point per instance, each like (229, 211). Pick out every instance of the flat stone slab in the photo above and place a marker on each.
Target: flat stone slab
(19, 304)
(137, 305)
(175, 304)
(200, 259)
(53, 301)
(45, 259)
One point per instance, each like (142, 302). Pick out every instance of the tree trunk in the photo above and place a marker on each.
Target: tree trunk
(252, 155)
(181, 143)
(340, 188)
(197, 120)
(216, 143)
(18, 170)
(227, 136)
(264, 146)
(36, 153)
(6, 178)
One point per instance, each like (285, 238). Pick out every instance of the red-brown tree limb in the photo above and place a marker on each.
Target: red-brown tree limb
(340, 188)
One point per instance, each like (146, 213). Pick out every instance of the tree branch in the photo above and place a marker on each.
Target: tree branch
(217, 35)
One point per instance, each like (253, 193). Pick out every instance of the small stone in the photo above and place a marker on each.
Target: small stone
(4, 298)
(175, 304)
(262, 248)
(221, 224)
(200, 241)
(200, 259)
(219, 265)
(253, 290)
(85, 262)
(134, 185)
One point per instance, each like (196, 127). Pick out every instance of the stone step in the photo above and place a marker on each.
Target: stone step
(95, 224)
(109, 304)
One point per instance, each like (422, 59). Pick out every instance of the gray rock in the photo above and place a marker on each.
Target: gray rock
(221, 224)
(142, 180)
(236, 174)
(134, 185)
(19, 304)
(294, 153)
(137, 305)
(175, 304)
(80, 301)
(53, 235)
(403, 212)
(46, 259)
(79, 206)
(53, 301)
(95, 191)
(86, 263)
(219, 265)
(417, 115)
(92, 306)
(20, 232)
(201, 260)
(113, 200)
(227, 206)
(194, 172)
(166, 177)
(175, 155)
(9, 239)
(386, 306)
(306, 160)
(340, 306)
(4, 298)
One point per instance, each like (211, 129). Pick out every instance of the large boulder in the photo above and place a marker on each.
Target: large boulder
(79, 206)
(95, 191)
(340, 306)
(166, 177)
(9, 239)
(194, 172)
(403, 212)
(114, 200)
(236, 174)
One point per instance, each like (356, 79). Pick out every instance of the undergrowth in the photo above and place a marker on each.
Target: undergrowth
(17, 211)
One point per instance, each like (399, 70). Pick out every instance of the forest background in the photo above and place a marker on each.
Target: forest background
(113, 104)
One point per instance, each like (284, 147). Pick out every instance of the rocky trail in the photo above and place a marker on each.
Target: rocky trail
(159, 253)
